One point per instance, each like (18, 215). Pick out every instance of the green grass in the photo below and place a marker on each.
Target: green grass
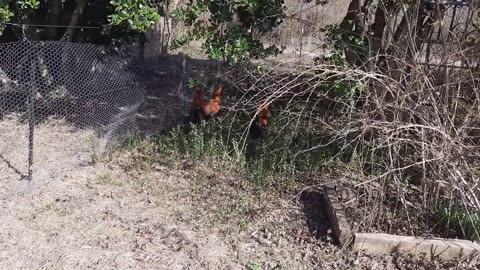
(254, 266)
(132, 141)
(277, 160)
(465, 223)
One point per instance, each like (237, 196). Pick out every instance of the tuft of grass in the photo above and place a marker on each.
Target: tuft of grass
(204, 141)
(254, 266)
(92, 147)
(243, 225)
(463, 222)
(132, 141)
(106, 179)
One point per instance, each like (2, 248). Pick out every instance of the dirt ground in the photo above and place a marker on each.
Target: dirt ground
(111, 215)
(123, 212)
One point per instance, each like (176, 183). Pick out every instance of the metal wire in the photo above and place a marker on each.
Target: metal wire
(52, 26)
(88, 87)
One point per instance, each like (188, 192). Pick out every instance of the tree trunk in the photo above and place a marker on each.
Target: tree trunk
(165, 28)
(378, 28)
(348, 21)
(425, 27)
(423, 30)
(76, 17)
(54, 8)
(352, 25)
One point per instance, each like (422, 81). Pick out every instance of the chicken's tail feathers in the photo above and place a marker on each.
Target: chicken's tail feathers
(196, 116)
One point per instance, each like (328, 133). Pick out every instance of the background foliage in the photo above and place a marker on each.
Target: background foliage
(104, 21)
(230, 29)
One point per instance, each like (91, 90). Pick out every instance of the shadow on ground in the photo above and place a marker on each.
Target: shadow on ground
(84, 93)
(314, 208)
(167, 97)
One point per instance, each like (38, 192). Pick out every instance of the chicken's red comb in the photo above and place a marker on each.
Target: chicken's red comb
(263, 122)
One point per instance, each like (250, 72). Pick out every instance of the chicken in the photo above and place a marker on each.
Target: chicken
(196, 111)
(201, 110)
(257, 128)
(213, 106)
(197, 101)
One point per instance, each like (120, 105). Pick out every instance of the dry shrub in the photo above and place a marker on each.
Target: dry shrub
(415, 138)
(411, 130)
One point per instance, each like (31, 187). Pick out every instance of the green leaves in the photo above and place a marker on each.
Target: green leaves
(32, 4)
(337, 58)
(192, 83)
(5, 15)
(230, 34)
(137, 15)
(189, 14)
(200, 32)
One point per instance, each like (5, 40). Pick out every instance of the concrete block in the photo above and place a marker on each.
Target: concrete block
(446, 249)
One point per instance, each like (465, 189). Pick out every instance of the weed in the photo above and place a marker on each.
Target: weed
(464, 222)
(204, 141)
(132, 141)
(192, 83)
(48, 207)
(92, 143)
(243, 225)
(254, 266)
(106, 179)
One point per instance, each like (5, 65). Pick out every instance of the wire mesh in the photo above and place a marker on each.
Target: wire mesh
(62, 104)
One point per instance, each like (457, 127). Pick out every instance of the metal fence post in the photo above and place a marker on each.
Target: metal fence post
(31, 118)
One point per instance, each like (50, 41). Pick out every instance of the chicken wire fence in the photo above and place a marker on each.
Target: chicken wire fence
(62, 104)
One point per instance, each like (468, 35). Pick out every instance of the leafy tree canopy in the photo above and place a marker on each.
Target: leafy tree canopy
(233, 27)
(229, 29)
(104, 20)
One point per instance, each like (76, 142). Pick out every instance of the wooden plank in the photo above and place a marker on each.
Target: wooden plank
(340, 228)
(446, 249)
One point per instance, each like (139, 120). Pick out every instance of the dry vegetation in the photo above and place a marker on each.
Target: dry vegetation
(403, 150)
(409, 152)
(137, 209)
(407, 131)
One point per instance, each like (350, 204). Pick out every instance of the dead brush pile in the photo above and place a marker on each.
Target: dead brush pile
(411, 143)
